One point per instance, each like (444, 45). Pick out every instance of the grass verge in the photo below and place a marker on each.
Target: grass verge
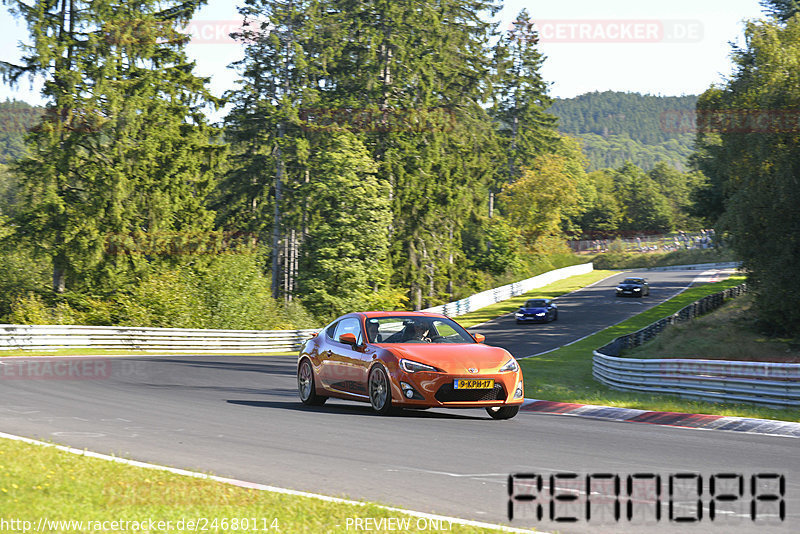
(565, 375)
(555, 289)
(43, 483)
(727, 333)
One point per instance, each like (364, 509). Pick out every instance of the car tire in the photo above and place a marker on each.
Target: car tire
(306, 385)
(380, 391)
(502, 412)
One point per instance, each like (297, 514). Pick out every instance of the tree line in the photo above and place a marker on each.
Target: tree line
(748, 146)
(617, 127)
(377, 155)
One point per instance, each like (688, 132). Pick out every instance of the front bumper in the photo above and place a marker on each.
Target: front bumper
(629, 293)
(437, 390)
(532, 319)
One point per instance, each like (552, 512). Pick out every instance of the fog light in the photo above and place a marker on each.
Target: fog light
(409, 391)
(518, 392)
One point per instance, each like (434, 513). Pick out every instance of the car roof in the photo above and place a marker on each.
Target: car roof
(378, 314)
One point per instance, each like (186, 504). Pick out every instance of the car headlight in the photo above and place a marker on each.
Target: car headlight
(637, 288)
(619, 289)
(411, 366)
(540, 314)
(519, 314)
(510, 366)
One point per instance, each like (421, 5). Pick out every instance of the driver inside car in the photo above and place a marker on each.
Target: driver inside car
(416, 331)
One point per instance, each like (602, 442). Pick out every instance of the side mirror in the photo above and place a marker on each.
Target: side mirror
(348, 339)
(480, 338)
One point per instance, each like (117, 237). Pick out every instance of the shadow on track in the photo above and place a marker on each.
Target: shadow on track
(353, 409)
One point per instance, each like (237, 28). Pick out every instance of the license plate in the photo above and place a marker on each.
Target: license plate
(466, 383)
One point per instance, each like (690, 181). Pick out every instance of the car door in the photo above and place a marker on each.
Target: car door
(325, 368)
(346, 363)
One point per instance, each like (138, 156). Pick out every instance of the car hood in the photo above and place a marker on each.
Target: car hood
(452, 358)
(533, 310)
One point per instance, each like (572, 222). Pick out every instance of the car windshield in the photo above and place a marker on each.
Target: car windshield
(415, 330)
(632, 281)
(536, 304)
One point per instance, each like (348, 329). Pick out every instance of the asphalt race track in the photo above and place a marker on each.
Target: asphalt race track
(240, 417)
(585, 312)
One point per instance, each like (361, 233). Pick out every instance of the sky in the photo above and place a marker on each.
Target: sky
(664, 48)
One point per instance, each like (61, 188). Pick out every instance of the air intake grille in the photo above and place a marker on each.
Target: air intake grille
(447, 393)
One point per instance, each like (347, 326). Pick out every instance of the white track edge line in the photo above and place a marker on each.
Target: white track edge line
(261, 487)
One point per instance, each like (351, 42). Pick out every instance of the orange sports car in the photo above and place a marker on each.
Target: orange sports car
(408, 360)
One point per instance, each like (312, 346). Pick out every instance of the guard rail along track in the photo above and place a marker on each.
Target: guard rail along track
(771, 384)
(52, 337)
(499, 294)
(40, 337)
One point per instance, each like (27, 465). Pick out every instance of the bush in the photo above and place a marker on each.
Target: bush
(29, 309)
(166, 298)
(638, 260)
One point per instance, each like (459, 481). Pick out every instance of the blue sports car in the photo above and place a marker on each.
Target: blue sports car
(537, 311)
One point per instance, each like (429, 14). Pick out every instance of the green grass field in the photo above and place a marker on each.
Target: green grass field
(728, 333)
(45, 484)
(565, 375)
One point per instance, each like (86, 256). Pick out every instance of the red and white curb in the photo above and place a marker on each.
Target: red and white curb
(745, 425)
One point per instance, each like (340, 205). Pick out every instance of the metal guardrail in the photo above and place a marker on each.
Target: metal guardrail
(771, 384)
(47, 337)
(52, 337)
(499, 294)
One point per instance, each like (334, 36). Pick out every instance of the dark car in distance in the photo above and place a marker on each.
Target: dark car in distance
(633, 287)
(537, 311)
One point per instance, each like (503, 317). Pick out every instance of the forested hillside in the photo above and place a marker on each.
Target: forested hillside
(16, 118)
(376, 155)
(616, 127)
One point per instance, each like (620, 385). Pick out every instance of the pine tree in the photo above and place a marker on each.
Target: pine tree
(272, 127)
(123, 156)
(344, 258)
(420, 72)
(520, 97)
(782, 10)
(123, 150)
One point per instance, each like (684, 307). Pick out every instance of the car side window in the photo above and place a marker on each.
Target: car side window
(349, 325)
(331, 330)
